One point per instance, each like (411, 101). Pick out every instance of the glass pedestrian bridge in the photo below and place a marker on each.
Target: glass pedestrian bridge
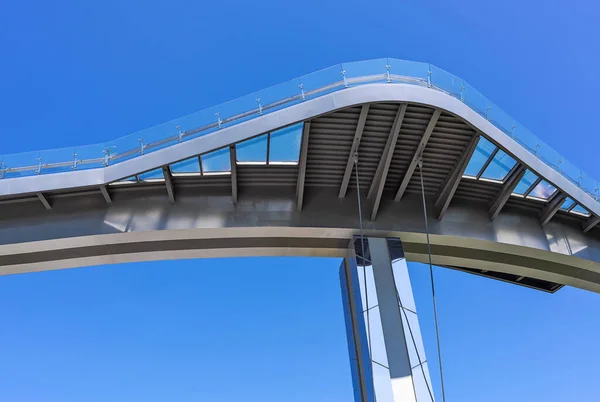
(335, 78)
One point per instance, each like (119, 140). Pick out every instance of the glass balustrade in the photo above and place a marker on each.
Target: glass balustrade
(310, 86)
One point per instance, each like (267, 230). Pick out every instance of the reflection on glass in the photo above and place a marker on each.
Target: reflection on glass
(253, 151)
(526, 182)
(186, 167)
(152, 175)
(285, 144)
(215, 162)
(543, 190)
(579, 210)
(567, 204)
(482, 153)
(499, 167)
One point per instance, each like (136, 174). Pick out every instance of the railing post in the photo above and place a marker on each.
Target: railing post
(260, 108)
(301, 86)
(106, 156)
(2, 170)
(462, 90)
(512, 131)
(219, 121)
(142, 145)
(39, 168)
(429, 75)
(488, 114)
(74, 167)
(387, 73)
(343, 72)
(179, 133)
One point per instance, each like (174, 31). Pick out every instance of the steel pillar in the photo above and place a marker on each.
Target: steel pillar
(386, 351)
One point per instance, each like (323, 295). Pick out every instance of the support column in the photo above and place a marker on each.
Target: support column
(387, 357)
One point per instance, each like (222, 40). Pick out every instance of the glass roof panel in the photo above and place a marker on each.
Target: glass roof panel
(285, 144)
(253, 150)
(543, 190)
(528, 179)
(567, 204)
(579, 210)
(499, 167)
(191, 165)
(216, 161)
(152, 175)
(482, 153)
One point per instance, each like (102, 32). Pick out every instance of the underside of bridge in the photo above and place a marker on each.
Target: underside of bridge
(304, 176)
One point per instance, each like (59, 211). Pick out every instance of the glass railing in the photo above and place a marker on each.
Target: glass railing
(335, 78)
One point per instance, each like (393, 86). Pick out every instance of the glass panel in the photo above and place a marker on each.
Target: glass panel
(446, 82)
(375, 70)
(375, 331)
(482, 153)
(21, 164)
(191, 165)
(528, 179)
(543, 190)
(369, 292)
(349, 331)
(198, 124)
(68, 159)
(382, 384)
(475, 100)
(124, 148)
(567, 204)
(579, 210)
(152, 175)
(322, 82)
(280, 96)
(501, 164)
(238, 110)
(253, 150)
(502, 120)
(216, 161)
(405, 71)
(285, 144)
(422, 385)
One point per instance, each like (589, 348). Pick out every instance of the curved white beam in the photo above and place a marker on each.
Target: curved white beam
(358, 95)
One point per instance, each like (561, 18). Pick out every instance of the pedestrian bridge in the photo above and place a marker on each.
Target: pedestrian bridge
(275, 173)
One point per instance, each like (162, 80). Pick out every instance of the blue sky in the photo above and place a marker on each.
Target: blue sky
(270, 329)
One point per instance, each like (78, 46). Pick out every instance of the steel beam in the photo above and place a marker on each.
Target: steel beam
(354, 149)
(302, 166)
(169, 184)
(44, 200)
(509, 186)
(487, 162)
(105, 194)
(386, 159)
(233, 162)
(451, 184)
(413, 163)
(552, 208)
(590, 223)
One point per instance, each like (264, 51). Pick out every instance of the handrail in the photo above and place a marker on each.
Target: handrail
(286, 94)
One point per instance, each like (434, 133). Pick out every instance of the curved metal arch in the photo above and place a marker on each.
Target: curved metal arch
(368, 93)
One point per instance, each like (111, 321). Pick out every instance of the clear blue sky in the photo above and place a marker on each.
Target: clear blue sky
(272, 329)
